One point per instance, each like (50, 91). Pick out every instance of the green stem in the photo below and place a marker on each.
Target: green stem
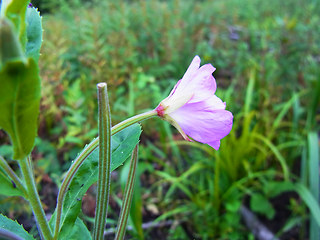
(84, 154)
(5, 166)
(104, 176)
(128, 194)
(34, 199)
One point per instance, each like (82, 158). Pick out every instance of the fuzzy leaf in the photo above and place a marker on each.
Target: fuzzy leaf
(14, 228)
(19, 104)
(34, 33)
(122, 144)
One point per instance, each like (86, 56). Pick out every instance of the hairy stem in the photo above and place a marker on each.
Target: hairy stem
(84, 154)
(34, 199)
(104, 166)
(128, 194)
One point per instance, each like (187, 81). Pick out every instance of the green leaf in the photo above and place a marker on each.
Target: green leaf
(314, 161)
(249, 93)
(34, 33)
(15, 10)
(309, 200)
(10, 48)
(274, 188)
(13, 6)
(135, 216)
(260, 204)
(276, 152)
(13, 228)
(122, 144)
(19, 104)
(79, 231)
(8, 187)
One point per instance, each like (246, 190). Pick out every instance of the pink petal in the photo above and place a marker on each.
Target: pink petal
(203, 123)
(199, 82)
(214, 144)
(193, 67)
(203, 85)
(174, 88)
(215, 103)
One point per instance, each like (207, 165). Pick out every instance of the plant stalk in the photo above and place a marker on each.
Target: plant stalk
(104, 176)
(128, 194)
(84, 154)
(34, 199)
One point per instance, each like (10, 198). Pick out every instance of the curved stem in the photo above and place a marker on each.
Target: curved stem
(34, 199)
(84, 154)
(5, 166)
(104, 175)
(128, 194)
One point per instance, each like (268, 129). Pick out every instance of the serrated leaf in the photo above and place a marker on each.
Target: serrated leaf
(260, 204)
(122, 144)
(14, 228)
(8, 188)
(34, 33)
(19, 104)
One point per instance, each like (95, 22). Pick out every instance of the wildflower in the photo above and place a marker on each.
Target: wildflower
(194, 110)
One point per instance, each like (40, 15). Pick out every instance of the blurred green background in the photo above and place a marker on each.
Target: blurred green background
(267, 56)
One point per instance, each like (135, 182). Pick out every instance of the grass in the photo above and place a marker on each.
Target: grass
(267, 58)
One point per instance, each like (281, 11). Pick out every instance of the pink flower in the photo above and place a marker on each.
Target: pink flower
(193, 108)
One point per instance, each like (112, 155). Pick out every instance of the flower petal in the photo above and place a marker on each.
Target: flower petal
(174, 88)
(214, 103)
(201, 86)
(202, 123)
(193, 67)
(214, 144)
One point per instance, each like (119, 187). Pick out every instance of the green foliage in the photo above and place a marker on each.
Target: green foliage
(78, 231)
(15, 11)
(260, 204)
(19, 104)
(266, 55)
(135, 216)
(314, 183)
(8, 187)
(10, 46)
(20, 82)
(13, 228)
(122, 146)
(34, 33)
(310, 201)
